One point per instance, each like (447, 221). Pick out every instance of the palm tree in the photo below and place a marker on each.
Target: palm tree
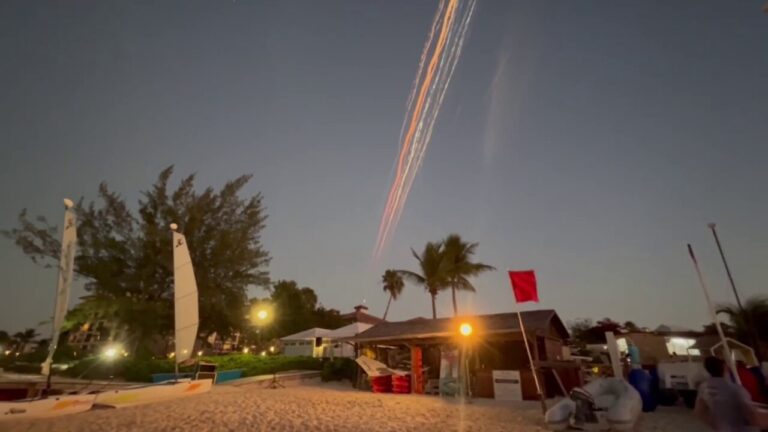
(393, 284)
(458, 256)
(747, 323)
(5, 340)
(631, 326)
(24, 338)
(433, 267)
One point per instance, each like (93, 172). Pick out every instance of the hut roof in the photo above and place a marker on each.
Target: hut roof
(536, 321)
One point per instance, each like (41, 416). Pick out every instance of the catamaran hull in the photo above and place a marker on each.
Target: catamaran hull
(620, 402)
(41, 408)
(152, 393)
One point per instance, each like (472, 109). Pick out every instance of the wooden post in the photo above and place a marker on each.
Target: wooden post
(559, 382)
(417, 377)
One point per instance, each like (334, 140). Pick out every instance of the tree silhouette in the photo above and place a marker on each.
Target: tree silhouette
(458, 254)
(393, 284)
(126, 260)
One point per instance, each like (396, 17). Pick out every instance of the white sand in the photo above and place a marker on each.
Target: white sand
(325, 407)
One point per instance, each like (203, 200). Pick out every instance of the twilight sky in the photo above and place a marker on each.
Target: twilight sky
(587, 140)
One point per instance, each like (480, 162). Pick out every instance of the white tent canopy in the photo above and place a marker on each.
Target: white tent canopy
(307, 334)
(348, 330)
(311, 343)
(320, 342)
(340, 348)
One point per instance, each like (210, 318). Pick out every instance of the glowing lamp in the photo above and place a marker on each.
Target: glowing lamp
(465, 329)
(272, 349)
(245, 350)
(110, 353)
(262, 314)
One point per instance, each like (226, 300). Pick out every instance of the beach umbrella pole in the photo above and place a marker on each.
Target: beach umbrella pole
(713, 313)
(747, 318)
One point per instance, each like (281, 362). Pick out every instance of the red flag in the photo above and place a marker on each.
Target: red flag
(524, 286)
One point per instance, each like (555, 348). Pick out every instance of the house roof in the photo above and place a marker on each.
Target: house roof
(652, 346)
(348, 330)
(360, 315)
(672, 330)
(308, 334)
(536, 321)
(707, 342)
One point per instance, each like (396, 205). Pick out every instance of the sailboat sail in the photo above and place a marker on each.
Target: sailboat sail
(66, 270)
(185, 299)
(186, 323)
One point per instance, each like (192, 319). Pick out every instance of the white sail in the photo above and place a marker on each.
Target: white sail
(66, 270)
(185, 299)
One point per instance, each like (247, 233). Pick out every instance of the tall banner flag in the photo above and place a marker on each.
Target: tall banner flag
(524, 286)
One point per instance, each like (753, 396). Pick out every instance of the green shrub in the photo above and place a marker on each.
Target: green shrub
(126, 369)
(22, 367)
(137, 370)
(339, 369)
(263, 365)
(142, 370)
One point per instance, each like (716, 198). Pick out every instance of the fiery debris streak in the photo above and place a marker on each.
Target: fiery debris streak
(424, 101)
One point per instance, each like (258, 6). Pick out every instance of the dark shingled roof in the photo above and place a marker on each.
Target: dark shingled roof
(536, 321)
(360, 315)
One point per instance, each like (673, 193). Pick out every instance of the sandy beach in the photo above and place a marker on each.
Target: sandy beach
(324, 407)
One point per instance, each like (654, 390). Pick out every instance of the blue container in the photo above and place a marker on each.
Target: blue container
(642, 382)
(228, 375)
(160, 377)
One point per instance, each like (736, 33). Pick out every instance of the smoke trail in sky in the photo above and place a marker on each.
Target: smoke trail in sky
(427, 93)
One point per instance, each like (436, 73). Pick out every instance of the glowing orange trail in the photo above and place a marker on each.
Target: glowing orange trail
(421, 117)
(395, 191)
(424, 52)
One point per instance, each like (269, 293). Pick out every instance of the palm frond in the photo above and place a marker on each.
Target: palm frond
(412, 276)
(463, 284)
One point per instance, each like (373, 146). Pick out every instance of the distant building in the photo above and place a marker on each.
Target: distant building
(225, 345)
(91, 336)
(320, 342)
(674, 329)
(311, 343)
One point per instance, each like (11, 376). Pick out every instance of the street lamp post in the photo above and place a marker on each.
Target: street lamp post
(263, 316)
(465, 330)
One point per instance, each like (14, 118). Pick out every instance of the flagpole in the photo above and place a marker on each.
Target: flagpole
(713, 312)
(531, 294)
(533, 366)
